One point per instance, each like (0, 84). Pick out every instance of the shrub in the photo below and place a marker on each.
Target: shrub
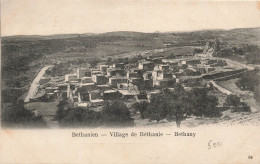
(116, 113)
(238, 106)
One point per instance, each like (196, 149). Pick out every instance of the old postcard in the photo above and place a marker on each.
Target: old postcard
(130, 81)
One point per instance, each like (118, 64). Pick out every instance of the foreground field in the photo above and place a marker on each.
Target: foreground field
(45, 109)
(228, 119)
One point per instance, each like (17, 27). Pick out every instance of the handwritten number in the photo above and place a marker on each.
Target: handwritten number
(212, 144)
(250, 157)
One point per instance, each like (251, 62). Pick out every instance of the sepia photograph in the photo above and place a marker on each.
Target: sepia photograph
(121, 69)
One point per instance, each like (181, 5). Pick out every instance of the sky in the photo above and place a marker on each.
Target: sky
(46, 17)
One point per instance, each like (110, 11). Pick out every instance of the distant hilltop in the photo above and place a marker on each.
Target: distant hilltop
(255, 30)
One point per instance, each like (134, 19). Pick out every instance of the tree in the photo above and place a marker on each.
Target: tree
(125, 60)
(79, 117)
(119, 60)
(60, 112)
(116, 113)
(135, 59)
(76, 117)
(234, 101)
(158, 108)
(248, 81)
(252, 54)
(109, 60)
(94, 62)
(171, 56)
(18, 116)
(225, 52)
(205, 105)
(170, 105)
(238, 51)
(181, 104)
(211, 108)
(244, 107)
(141, 107)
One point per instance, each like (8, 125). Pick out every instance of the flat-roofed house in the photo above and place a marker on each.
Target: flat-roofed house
(62, 87)
(192, 72)
(97, 102)
(96, 94)
(113, 81)
(132, 75)
(160, 75)
(85, 80)
(211, 61)
(168, 82)
(70, 77)
(103, 68)
(115, 71)
(123, 86)
(148, 83)
(88, 87)
(103, 87)
(147, 66)
(83, 72)
(111, 95)
(44, 80)
(95, 72)
(118, 65)
(191, 62)
(126, 94)
(83, 96)
(153, 93)
(148, 75)
(100, 79)
(49, 89)
(136, 81)
(162, 67)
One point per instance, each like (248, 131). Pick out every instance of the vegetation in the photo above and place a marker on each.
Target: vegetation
(252, 53)
(248, 53)
(224, 52)
(257, 94)
(114, 113)
(235, 102)
(135, 59)
(248, 81)
(58, 69)
(178, 105)
(78, 117)
(197, 50)
(19, 117)
(23, 56)
(205, 105)
(171, 56)
(93, 62)
(109, 61)
(141, 107)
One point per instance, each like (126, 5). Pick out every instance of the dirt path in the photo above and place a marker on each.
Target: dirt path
(221, 89)
(35, 84)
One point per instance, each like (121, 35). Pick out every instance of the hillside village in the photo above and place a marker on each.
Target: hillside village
(75, 88)
(90, 87)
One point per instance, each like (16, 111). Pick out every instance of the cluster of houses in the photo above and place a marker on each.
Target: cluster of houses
(138, 81)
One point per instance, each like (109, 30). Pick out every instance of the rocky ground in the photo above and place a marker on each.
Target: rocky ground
(228, 119)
